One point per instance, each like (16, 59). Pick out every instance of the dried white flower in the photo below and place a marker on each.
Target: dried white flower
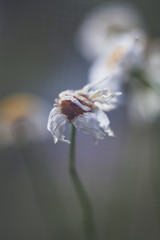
(105, 24)
(83, 108)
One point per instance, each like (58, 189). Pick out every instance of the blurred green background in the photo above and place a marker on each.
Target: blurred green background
(116, 190)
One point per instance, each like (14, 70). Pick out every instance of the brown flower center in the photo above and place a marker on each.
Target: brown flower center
(72, 110)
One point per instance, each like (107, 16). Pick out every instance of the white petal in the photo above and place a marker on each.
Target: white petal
(104, 122)
(105, 107)
(56, 125)
(84, 99)
(74, 100)
(59, 132)
(89, 124)
(105, 99)
(101, 95)
(65, 93)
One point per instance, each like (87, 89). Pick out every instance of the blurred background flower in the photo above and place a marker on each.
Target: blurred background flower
(120, 57)
(103, 25)
(144, 100)
(23, 118)
(124, 54)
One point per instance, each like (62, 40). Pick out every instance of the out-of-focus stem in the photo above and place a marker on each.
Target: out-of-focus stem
(140, 76)
(72, 148)
(87, 213)
(88, 221)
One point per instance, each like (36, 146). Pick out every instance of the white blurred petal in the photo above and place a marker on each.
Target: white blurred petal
(144, 106)
(122, 55)
(103, 25)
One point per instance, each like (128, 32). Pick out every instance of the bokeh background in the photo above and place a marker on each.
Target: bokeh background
(121, 176)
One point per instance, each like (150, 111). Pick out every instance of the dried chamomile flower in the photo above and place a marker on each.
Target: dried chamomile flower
(83, 108)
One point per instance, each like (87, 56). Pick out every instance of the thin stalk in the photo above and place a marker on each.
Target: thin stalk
(140, 76)
(86, 207)
(72, 148)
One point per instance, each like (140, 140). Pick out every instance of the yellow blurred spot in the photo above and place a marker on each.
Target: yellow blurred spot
(18, 106)
(115, 56)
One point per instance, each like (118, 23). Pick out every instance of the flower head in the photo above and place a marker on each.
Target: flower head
(121, 56)
(103, 25)
(85, 109)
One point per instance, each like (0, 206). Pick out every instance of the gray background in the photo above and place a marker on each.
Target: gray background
(121, 174)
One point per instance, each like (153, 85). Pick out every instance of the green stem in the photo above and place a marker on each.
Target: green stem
(86, 208)
(72, 148)
(150, 85)
(140, 76)
(88, 220)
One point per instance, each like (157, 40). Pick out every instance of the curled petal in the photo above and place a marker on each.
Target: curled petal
(96, 124)
(89, 124)
(56, 125)
(104, 122)
(74, 100)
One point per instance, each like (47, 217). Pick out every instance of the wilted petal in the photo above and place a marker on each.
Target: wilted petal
(102, 95)
(75, 101)
(56, 125)
(104, 122)
(89, 123)
(59, 132)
